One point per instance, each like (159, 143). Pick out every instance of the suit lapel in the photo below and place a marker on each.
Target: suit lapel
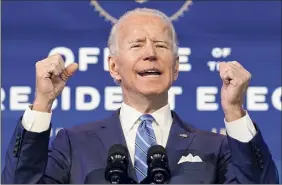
(177, 142)
(111, 133)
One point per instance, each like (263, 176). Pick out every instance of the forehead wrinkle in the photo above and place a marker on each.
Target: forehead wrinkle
(139, 23)
(142, 36)
(140, 19)
(137, 40)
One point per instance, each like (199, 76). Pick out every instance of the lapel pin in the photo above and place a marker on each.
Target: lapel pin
(183, 135)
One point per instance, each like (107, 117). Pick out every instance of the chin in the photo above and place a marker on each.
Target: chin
(153, 91)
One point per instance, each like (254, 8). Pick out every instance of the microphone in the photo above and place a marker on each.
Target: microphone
(158, 168)
(117, 165)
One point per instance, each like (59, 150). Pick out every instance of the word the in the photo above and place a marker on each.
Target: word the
(219, 54)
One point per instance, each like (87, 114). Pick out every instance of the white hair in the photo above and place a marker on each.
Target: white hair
(113, 38)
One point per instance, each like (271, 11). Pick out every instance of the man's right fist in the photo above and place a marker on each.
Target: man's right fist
(51, 78)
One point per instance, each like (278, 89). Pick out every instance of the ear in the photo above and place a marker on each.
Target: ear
(113, 68)
(176, 68)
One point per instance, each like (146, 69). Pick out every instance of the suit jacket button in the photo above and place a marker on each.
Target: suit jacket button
(261, 165)
(18, 136)
(15, 152)
(17, 143)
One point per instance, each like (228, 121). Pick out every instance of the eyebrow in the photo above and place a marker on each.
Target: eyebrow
(157, 41)
(137, 40)
(144, 39)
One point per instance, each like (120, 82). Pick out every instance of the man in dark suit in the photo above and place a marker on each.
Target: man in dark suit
(143, 61)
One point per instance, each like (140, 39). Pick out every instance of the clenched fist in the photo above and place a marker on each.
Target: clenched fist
(235, 80)
(51, 78)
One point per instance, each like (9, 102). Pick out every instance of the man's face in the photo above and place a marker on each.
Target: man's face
(145, 63)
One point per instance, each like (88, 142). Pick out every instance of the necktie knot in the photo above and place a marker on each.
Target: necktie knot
(147, 117)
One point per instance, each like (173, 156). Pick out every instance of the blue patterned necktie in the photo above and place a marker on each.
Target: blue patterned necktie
(145, 138)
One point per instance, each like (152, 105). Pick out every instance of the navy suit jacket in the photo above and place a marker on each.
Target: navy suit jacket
(78, 155)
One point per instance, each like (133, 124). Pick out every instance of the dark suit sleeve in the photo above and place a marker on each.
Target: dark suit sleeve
(28, 159)
(246, 163)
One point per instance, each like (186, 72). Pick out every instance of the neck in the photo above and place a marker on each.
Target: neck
(146, 104)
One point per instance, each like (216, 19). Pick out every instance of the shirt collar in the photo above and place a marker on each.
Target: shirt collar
(129, 116)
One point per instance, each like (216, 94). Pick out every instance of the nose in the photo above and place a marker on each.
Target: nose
(150, 53)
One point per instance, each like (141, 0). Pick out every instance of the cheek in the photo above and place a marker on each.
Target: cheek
(170, 66)
(127, 66)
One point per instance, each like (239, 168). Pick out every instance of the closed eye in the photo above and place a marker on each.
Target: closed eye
(136, 46)
(161, 46)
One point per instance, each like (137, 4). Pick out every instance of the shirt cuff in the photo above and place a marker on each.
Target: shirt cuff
(242, 129)
(35, 121)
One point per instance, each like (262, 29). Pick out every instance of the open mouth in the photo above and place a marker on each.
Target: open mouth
(150, 73)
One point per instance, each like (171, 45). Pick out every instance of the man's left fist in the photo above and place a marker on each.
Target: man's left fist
(235, 80)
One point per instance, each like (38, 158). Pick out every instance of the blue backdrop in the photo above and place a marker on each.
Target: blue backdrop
(208, 32)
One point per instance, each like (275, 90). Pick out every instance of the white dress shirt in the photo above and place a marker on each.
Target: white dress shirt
(242, 129)
(129, 118)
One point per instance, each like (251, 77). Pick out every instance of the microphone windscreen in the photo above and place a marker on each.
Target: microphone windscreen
(117, 165)
(156, 149)
(158, 167)
(118, 149)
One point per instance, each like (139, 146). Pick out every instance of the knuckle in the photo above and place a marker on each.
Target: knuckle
(56, 72)
(244, 80)
(38, 64)
(53, 66)
(58, 57)
(50, 67)
(241, 81)
(249, 76)
(229, 66)
(55, 57)
(225, 75)
(55, 63)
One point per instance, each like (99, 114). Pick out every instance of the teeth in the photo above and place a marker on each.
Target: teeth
(150, 73)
